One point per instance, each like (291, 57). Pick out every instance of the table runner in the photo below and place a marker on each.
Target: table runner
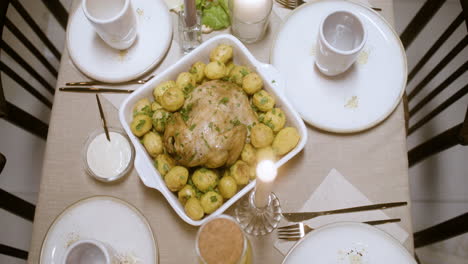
(375, 161)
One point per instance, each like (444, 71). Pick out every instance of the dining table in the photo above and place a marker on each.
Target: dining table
(374, 161)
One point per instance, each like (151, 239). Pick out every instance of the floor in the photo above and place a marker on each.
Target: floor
(438, 185)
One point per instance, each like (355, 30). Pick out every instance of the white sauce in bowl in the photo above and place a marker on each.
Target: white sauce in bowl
(108, 159)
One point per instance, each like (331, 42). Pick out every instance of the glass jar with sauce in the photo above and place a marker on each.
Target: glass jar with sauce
(222, 241)
(106, 160)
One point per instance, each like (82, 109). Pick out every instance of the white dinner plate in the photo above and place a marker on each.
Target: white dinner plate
(355, 100)
(99, 61)
(348, 243)
(104, 218)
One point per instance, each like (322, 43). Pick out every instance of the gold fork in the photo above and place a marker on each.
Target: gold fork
(298, 231)
(89, 83)
(292, 4)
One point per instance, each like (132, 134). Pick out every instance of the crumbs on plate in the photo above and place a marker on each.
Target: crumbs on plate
(352, 102)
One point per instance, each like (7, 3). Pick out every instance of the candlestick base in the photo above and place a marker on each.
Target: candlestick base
(258, 221)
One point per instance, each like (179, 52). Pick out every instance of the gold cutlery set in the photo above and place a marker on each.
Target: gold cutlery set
(86, 86)
(297, 231)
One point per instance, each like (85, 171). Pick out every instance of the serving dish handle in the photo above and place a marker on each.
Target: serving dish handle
(273, 75)
(143, 169)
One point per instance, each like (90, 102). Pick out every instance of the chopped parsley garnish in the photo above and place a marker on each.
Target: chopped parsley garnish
(166, 167)
(273, 111)
(235, 122)
(214, 199)
(244, 72)
(193, 70)
(187, 90)
(140, 124)
(192, 127)
(206, 142)
(210, 125)
(238, 104)
(184, 112)
(217, 129)
(264, 100)
(225, 78)
(224, 100)
(273, 81)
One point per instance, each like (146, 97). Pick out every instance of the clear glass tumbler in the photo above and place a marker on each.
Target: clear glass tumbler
(189, 36)
(249, 30)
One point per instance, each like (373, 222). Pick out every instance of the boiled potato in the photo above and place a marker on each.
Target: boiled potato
(185, 79)
(205, 179)
(140, 125)
(160, 118)
(285, 140)
(142, 107)
(252, 83)
(186, 193)
(221, 53)
(275, 119)
(253, 173)
(194, 209)
(238, 73)
(176, 178)
(266, 153)
(161, 88)
(155, 106)
(173, 99)
(198, 71)
(261, 136)
(211, 201)
(164, 163)
(215, 70)
(153, 143)
(248, 154)
(229, 68)
(227, 187)
(263, 101)
(240, 171)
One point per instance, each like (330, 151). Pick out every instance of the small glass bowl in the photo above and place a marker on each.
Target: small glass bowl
(84, 154)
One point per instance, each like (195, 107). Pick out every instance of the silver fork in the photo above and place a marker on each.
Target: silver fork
(292, 4)
(298, 231)
(141, 81)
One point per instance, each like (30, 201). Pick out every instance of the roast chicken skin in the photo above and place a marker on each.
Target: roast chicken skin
(212, 128)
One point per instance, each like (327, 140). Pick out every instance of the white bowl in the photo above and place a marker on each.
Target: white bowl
(272, 83)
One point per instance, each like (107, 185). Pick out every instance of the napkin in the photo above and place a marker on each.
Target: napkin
(335, 192)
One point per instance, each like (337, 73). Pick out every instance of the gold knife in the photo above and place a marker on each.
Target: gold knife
(299, 217)
(94, 90)
(103, 118)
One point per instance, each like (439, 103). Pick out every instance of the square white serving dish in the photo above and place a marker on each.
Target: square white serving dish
(272, 83)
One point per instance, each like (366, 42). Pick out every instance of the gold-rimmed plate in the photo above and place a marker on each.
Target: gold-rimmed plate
(104, 218)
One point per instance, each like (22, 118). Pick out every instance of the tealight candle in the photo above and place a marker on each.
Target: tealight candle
(266, 175)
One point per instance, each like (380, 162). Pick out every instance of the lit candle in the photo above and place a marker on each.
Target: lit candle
(266, 174)
(251, 10)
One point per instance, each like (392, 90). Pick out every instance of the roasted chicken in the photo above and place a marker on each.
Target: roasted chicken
(212, 127)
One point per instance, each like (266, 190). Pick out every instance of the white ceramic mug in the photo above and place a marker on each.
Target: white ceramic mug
(342, 36)
(88, 251)
(114, 21)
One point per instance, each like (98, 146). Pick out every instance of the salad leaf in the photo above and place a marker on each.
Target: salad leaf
(215, 13)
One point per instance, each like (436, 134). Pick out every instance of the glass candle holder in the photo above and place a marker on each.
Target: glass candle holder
(249, 18)
(189, 36)
(258, 221)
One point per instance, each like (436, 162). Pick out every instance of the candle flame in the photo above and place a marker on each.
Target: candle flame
(266, 171)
